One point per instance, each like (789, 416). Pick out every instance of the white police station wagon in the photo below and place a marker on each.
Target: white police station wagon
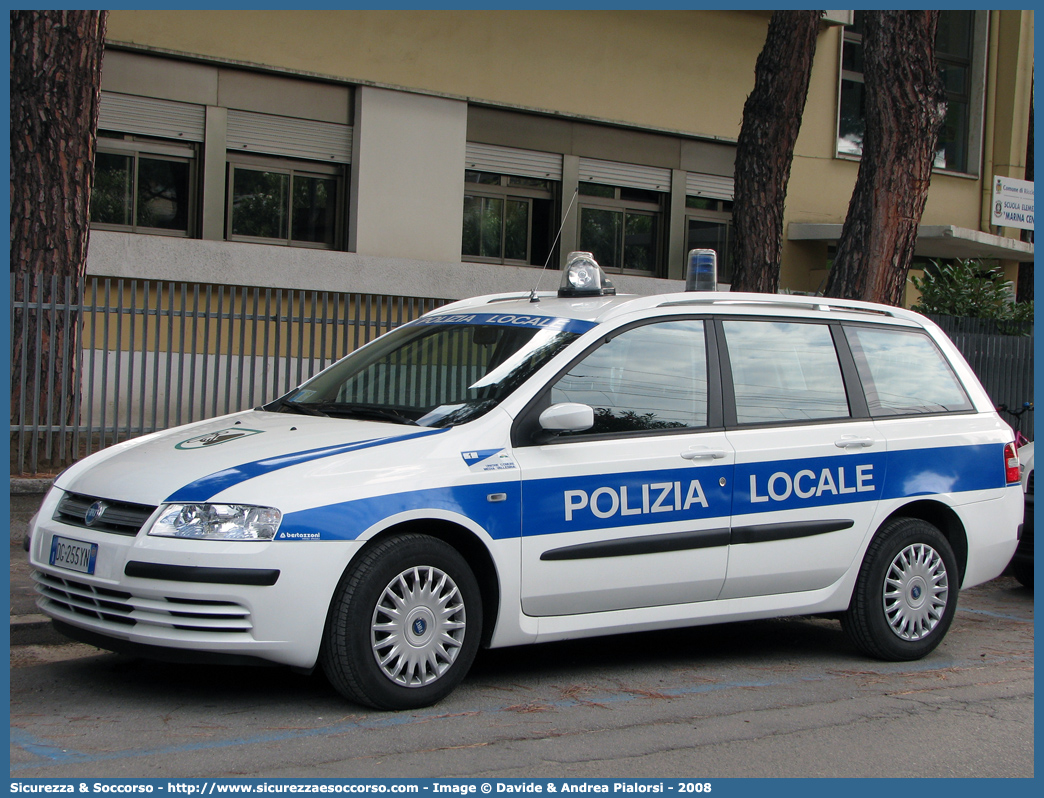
(526, 468)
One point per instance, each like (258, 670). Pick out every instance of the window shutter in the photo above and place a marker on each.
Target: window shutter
(511, 161)
(712, 186)
(291, 138)
(613, 173)
(146, 116)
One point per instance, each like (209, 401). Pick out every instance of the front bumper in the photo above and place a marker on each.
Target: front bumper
(255, 600)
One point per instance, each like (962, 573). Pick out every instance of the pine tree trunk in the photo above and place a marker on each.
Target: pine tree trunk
(765, 149)
(55, 87)
(905, 108)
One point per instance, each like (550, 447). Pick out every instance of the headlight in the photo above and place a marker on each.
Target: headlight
(217, 522)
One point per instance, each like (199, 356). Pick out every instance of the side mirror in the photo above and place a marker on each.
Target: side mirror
(567, 417)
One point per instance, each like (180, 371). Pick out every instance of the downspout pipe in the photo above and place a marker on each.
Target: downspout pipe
(986, 178)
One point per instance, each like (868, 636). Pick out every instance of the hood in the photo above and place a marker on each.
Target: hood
(193, 462)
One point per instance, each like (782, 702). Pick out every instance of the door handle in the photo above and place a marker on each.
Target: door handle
(703, 454)
(853, 442)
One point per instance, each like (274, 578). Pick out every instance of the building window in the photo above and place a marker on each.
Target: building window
(622, 227)
(850, 126)
(954, 51)
(280, 202)
(143, 185)
(708, 225)
(507, 219)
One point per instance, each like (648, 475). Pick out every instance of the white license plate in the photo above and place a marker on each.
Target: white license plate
(73, 555)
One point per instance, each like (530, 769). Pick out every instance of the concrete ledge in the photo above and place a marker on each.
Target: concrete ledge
(131, 255)
(22, 486)
(933, 241)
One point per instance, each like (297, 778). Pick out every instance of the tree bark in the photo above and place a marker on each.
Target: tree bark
(55, 88)
(765, 149)
(905, 108)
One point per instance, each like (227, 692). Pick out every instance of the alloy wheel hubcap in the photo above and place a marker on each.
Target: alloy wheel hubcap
(916, 590)
(418, 626)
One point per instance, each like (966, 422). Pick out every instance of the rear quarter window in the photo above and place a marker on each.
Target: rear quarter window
(904, 373)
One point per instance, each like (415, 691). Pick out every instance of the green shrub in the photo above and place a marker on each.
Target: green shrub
(967, 288)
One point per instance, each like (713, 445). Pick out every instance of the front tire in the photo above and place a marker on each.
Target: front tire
(404, 624)
(906, 594)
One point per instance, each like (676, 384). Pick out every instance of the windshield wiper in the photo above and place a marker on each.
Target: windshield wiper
(341, 409)
(303, 409)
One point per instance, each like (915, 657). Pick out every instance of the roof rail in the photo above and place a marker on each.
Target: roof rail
(515, 297)
(824, 304)
(478, 301)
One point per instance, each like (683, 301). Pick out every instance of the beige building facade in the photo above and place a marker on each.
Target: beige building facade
(437, 153)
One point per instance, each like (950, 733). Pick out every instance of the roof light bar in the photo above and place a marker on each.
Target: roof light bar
(701, 270)
(583, 276)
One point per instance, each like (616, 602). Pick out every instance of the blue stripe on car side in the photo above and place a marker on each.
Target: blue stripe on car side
(204, 488)
(950, 469)
(642, 497)
(636, 498)
(348, 520)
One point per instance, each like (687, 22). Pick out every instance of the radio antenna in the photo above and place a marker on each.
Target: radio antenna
(533, 294)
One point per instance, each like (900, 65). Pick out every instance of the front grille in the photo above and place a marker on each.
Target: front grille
(121, 518)
(85, 600)
(71, 598)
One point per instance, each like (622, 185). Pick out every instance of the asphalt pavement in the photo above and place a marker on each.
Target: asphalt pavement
(772, 698)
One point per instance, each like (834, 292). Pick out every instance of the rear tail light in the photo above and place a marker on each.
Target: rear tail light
(1011, 464)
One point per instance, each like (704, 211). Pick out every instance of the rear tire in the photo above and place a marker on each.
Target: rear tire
(404, 624)
(1023, 571)
(906, 594)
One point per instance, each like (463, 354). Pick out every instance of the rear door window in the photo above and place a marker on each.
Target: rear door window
(784, 372)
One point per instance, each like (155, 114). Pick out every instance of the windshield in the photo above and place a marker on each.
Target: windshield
(437, 371)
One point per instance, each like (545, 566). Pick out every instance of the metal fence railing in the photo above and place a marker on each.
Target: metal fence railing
(1001, 354)
(148, 355)
(137, 356)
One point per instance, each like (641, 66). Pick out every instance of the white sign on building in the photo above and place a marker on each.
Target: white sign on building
(1012, 203)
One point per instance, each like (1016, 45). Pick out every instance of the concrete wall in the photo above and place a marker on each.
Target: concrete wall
(675, 70)
(210, 84)
(671, 85)
(193, 260)
(407, 201)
